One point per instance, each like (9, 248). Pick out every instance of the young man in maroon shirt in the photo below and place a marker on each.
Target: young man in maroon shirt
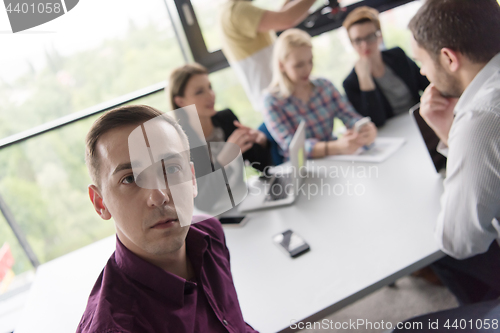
(166, 275)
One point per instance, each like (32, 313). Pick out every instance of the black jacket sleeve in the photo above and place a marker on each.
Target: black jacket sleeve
(258, 156)
(373, 103)
(367, 103)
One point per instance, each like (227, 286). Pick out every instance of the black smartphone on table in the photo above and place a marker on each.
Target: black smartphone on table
(292, 243)
(233, 220)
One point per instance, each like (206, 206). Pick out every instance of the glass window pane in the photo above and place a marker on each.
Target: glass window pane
(230, 94)
(14, 283)
(21, 261)
(110, 48)
(207, 15)
(395, 26)
(44, 182)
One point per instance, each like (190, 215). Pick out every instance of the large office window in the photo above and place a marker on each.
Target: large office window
(207, 13)
(44, 183)
(230, 94)
(7, 237)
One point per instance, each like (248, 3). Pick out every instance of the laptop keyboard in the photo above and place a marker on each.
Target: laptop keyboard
(279, 189)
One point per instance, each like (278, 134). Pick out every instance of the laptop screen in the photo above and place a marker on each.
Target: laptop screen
(430, 138)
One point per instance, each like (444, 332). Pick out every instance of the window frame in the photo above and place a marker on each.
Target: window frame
(213, 61)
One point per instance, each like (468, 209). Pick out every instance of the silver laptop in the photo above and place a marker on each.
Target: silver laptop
(282, 188)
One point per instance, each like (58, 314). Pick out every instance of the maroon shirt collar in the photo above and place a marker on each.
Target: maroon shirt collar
(167, 284)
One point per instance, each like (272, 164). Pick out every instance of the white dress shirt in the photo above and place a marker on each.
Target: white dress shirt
(470, 205)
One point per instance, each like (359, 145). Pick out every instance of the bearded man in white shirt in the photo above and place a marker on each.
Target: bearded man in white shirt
(458, 45)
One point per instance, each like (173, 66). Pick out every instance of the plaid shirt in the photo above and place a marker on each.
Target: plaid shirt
(283, 115)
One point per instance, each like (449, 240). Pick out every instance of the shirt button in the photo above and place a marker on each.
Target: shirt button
(225, 322)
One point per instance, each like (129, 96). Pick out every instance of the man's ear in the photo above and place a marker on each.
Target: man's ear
(193, 179)
(179, 101)
(450, 59)
(98, 202)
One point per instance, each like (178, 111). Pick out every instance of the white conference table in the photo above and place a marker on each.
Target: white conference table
(359, 243)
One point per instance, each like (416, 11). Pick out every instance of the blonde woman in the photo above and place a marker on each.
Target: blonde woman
(294, 96)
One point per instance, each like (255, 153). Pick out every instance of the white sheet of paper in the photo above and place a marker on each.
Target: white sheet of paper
(383, 148)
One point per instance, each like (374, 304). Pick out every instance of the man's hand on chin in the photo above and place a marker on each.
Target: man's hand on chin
(437, 111)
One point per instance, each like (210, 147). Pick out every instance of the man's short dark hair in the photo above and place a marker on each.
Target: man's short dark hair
(120, 117)
(471, 27)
